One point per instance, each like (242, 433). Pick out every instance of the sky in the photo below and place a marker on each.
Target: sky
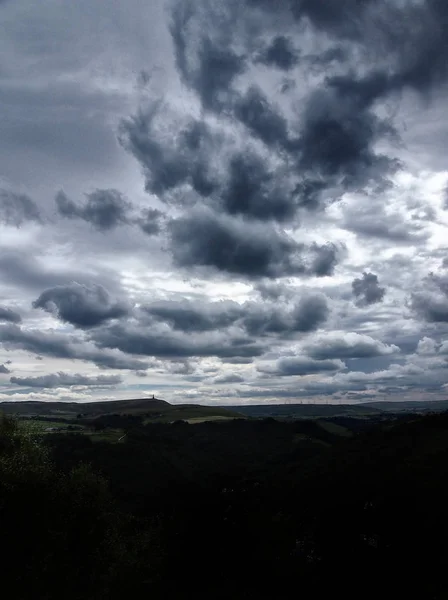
(224, 202)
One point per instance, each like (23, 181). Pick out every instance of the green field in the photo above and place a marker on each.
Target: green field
(37, 426)
(335, 428)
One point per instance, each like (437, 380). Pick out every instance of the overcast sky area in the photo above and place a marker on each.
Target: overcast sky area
(224, 202)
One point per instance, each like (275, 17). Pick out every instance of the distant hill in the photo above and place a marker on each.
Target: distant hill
(411, 406)
(154, 409)
(300, 411)
(366, 409)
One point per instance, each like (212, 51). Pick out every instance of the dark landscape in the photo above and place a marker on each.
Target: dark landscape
(135, 500)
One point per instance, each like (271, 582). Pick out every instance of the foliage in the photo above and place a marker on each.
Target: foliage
(239, 509)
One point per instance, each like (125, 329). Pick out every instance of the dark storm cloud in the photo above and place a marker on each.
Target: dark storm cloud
(149, 221)
(104, 209)
(237, 360)
(8, 315)
(432, 303)
(233, 246)
(186, 315)
(304, 315)
(4, 370)
(238, 247)
(416, 43)
(340, 127)
(217, 69)
(288, 366)
(280, 53)
(269, 290)
(423, 55)
(212, 66)
(63, 346)
(257, 319)
(254, 190)
(311, 312)
(341, 18)
(326, 259)
(340, 130)
(80, 305)
(157, 341)
(367, 290)
(322, 61)
(61, 379)
(247, 185)
(412, 34)
(349, 345)
(170, 161)
(17, 209)
(334, 149)
(255, 111)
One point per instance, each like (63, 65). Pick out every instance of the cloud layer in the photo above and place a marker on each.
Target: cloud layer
(224, 202)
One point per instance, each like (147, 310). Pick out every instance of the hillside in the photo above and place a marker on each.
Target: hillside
(421, 406)
(301, 411)
(152, 408)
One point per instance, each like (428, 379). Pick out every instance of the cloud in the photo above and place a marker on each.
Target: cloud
(326, 259)
(254, 190)
(59, 345)
(217, 68)
(62, 379)
(288, 366)
(280, 53)
(23, 269)
(18, 209)
(340, 126)
(306, 314)
(149, 221)
(348, 345)
(327, 58)
(173, 160)
(207, 66)
(104, 209)
(4, 369)
(186, 315)
(229, 378)
(339, 134)
(258, 319)
(238, 247)
(367, 290)
(426, 347)
(432, 303)
(376, 224)
(416, 45)
(157, 340)
(311, 312)
(196, 156)
(280, 130)
(8, 315)
(80, 305)
(262, 119)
